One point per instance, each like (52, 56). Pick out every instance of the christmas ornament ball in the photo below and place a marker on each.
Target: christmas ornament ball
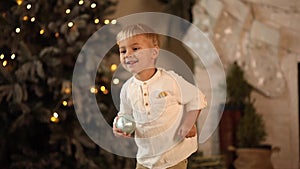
(125, 124)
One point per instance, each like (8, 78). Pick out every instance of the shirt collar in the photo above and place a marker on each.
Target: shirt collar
(153, 78)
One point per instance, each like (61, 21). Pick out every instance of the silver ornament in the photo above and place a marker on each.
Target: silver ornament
(125, 124)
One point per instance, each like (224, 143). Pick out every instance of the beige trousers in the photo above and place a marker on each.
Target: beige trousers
(180, 165)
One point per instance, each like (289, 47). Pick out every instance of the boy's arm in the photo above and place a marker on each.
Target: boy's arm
(187, 128)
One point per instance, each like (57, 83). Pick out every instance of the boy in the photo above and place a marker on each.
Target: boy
(163, 105)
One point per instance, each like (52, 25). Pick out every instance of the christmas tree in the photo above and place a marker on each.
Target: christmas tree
(39, 44)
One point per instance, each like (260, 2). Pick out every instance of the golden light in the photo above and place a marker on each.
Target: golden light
(2, 56)
(81, 2)
(19, 2)
(106, 21)
(68, 11)
(70, 24)
(96, 21)
(102, 88)
(65, 103)
(13, 56)
(113, 21)
(42, 31)
(18, 30)
(4, 63)
(93, 5)
(54, 118)
(32, 19)
(94, 90)
(105, 91)
(25, 18)
(67, 90)
(56, 35)
(28, 6)
(113, 67)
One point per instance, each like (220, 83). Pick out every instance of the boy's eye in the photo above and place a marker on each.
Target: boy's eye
(122, 51)
(135, 49)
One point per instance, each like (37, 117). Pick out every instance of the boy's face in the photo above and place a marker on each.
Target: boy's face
(137, 53)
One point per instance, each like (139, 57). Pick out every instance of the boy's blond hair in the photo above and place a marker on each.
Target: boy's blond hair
(138, 29)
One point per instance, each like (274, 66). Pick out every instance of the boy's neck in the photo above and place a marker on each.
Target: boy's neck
(146, 74)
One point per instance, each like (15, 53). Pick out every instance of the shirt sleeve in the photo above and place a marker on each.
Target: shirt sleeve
(189, 95)
(125, 106)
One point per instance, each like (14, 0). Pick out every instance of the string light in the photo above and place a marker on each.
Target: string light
(116, 81)
(93, 5)
(70, 24)
(28, 6)
(18, 30)
(42, 31)
(32, 19)
(94, 90)
(102, 88)
(4, 63)
(54, 118)
(68, 11)
(65, 103)
(113, 21)
(105, 91)
(113, 67)
(81, 2)
(13, 56)
(96, 21)
(106, 21)
(2, 56)
(19, 2)
(25, 18)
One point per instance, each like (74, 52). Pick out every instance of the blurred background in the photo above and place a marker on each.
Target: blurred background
(258, 44)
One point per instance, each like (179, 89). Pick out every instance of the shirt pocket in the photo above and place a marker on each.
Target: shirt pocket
(160, 100)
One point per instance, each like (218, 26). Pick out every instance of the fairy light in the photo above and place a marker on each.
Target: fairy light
(65, 103)
(25, 18)
(116, 81)
(42, 31)
(113, 22)
(19, 2)
(32, 19)
(81, 2)
(68, 11)
(93, 5)
(102, 88)
(94, 90)
(105, 91)
(28, 6)
(2, 56)
(106, 21)
(70, 24)
(13, 56)
(96, 21)
(18, 30)
(113, 67)
(56, 34)
(54, 118)
(4, 63)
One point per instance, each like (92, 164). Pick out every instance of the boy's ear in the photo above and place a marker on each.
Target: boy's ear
(155, 52)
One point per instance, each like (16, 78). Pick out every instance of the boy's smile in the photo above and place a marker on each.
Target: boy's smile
(138, 54)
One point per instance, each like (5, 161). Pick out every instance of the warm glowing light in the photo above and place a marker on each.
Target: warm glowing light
(116, 81)
(2, 56)
(113, 67)
(113, 21)
(4, 63)
(32, 19)
(18, 30)
(68, 11)
(65, 103)
(93, 5)
(54, 118)
(102, 88)
(94, 90)
(42, 31)
(28, 6)
(55, 115)
(106, 21)
(67, 90)
(19, 2)
(96, 21)
(105, 91)
(25, 18)
(70, 24)
(81, 2)
(13, 56)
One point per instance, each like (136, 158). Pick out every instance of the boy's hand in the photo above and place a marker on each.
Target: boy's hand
(192, 132)
(119, 133)
(187, 132)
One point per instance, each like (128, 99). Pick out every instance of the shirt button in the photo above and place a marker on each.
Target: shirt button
(148, 113)
(145, 94)
(145, 83)
(146, 104)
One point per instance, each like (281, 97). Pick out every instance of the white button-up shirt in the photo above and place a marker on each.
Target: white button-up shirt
(157, 106)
